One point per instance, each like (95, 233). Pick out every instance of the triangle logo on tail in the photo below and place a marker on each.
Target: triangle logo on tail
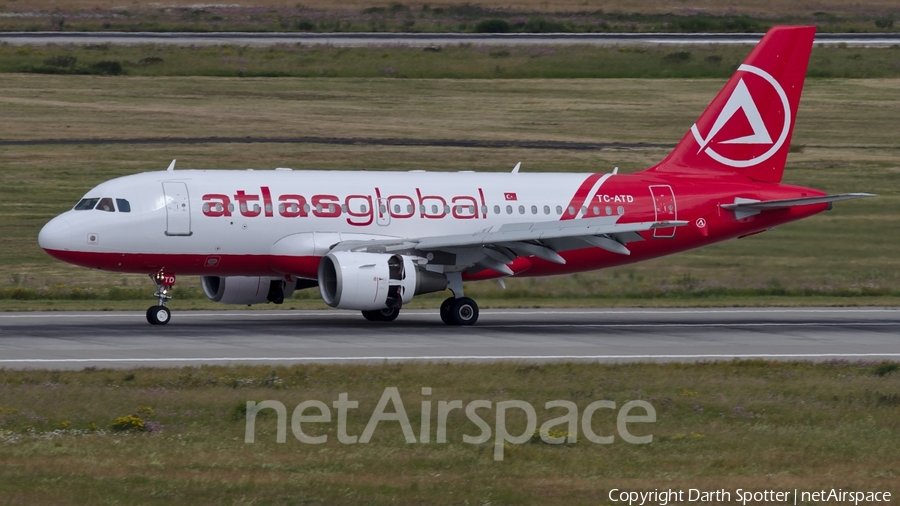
(742, 100)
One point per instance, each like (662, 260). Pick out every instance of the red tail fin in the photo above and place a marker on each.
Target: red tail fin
(747, 127)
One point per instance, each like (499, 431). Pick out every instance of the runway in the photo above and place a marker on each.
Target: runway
(346, 39)
(73, 340)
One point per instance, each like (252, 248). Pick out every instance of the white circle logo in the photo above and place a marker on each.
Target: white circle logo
(701, 223)
(742, 100)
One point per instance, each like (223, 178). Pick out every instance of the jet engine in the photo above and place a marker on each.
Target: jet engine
(246, 289)
(370, 281)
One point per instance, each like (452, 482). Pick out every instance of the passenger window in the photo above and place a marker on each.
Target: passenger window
(496, 209)
(546, 209)
(86, 204)
(521, 209)
(558, 209)
(508, 209)
(533, 209)
(106, 204)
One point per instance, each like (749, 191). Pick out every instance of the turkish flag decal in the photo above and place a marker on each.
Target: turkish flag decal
(510, 196)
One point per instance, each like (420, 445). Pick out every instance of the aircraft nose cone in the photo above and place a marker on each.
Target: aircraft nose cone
(56, 235)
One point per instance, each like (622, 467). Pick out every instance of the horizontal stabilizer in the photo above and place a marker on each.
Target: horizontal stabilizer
(748, 207)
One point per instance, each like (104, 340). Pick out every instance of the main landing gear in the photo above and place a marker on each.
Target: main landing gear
(160, 314)
(458, 310)
(382, 315)
(461, 311)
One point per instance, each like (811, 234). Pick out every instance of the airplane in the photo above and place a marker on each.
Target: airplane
(371, 241)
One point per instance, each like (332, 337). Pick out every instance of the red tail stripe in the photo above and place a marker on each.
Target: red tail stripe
(580, 196)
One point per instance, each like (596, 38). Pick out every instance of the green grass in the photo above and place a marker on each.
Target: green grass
(745, 424)
(451, 61)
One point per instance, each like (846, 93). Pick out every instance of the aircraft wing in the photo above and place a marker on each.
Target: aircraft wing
(496, 247)
(748, 207)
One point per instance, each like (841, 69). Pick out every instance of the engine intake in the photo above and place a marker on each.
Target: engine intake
(369, 281)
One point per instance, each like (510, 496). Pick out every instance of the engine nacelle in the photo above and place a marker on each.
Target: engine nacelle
(369, 281)
(246, 289)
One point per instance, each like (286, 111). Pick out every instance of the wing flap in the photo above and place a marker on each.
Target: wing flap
(543, 230)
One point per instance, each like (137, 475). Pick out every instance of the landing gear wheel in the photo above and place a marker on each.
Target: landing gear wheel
(382, 315)
(445, 311)
(464, 311)
(158, 315)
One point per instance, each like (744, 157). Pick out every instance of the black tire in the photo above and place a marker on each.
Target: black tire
(382, 315)
(464, 311)
(158, 315)
(445, 311)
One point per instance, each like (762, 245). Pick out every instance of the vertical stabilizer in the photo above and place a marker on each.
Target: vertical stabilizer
(747, 127)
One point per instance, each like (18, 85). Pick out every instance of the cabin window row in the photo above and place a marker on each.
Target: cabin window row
(408, 209)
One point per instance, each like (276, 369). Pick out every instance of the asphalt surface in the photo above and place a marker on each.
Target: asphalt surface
(422, 39)
(73, 340)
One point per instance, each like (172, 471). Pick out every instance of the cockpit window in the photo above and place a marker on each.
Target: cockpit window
(123, 205)
(106, 204)
(86, 204)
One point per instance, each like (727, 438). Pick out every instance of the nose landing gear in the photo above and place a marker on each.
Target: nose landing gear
(160, 314)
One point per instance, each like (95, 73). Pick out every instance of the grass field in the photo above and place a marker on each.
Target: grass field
(845, 141)
(761, 7)
(751, 425)
(465, 61)
(533, 16)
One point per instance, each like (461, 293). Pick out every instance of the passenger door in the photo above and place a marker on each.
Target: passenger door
(178, 209)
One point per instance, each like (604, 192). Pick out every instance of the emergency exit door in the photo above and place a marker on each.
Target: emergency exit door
(666, 209)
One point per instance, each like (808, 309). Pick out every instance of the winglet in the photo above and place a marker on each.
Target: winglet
(516, 168)
(171, 167)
